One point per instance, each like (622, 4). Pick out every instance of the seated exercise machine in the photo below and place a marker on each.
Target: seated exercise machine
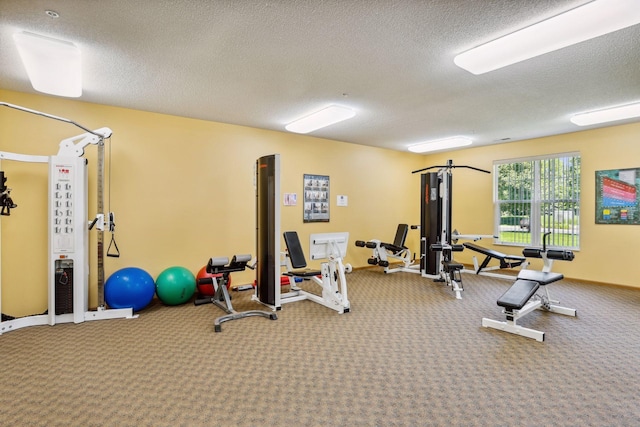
(450, 272)
(332, 272)
(505, 260)
(523, 296)
(221, 298)
(450, 269)
(438, 241)
(383, 252)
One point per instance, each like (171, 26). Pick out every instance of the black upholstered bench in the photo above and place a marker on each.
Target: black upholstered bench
(518, 294)
(523, 298)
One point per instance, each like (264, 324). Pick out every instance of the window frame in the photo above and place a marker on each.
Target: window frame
(538, 203)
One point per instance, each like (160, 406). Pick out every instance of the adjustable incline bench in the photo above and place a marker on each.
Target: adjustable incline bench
(506, 261)
(221, 298)
(522, 297)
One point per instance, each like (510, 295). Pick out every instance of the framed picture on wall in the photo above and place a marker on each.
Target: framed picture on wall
(316, 198)
(618, 196)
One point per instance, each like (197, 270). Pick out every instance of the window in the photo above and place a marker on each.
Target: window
(535, 196)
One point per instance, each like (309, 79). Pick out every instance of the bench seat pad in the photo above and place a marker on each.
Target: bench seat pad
(452, 266)
(542, 277)
(518, 294)
(303, 273)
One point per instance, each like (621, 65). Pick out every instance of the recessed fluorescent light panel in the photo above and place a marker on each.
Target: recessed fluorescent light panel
(440, 144)
(609, 115)
(325, 117)
(53, 66)
(591, 20)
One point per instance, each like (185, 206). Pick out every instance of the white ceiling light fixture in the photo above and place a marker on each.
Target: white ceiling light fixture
(607, 115)
(591, 20)
(322, 118)
(53, 66)
(440, 144)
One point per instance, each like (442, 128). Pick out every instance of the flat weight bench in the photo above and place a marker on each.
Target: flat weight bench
(221, 298)
(506, 261)
(521, 299)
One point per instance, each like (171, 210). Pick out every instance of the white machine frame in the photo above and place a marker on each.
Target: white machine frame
(333, 247)
(381, 256)
(68, 235)
(539, 301)
(448, 271)
(407, 263)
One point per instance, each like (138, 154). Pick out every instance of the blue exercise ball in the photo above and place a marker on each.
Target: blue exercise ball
(129, 287)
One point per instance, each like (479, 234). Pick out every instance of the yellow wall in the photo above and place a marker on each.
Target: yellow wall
(182, 191)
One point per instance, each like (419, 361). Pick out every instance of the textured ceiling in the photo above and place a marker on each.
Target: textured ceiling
(266, 63)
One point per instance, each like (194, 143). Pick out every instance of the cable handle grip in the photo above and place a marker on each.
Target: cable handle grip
(93, 223)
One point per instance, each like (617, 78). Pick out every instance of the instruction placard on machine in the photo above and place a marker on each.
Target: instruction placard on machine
(62, 206)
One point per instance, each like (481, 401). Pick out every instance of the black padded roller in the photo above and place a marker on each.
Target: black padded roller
(241, 258)
(532, 253)
(560, 255)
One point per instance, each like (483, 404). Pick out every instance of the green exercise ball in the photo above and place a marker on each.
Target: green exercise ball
(175, 285)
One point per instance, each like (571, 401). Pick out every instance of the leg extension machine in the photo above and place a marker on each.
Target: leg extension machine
(382, 252)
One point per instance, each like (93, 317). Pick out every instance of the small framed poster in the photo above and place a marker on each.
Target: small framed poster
(290, 199)
(316, 198)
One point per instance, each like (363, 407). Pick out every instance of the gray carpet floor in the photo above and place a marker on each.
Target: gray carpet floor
(407, 354)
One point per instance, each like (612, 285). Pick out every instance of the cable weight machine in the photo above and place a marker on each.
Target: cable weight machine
(68, 230)
(436, 244)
